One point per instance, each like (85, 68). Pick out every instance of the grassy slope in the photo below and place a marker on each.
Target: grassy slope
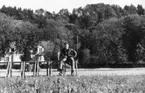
(82, 84)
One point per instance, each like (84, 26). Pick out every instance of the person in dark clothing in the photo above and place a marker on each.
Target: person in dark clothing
(67, 55)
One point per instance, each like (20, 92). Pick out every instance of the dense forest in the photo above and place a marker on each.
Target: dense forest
(101, 33)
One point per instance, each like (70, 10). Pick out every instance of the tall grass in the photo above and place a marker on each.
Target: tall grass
(69, 84)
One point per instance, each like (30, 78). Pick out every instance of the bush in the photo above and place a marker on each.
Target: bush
(69, 84)
(84, 56)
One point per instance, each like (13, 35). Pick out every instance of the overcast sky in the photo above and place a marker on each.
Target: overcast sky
(56, 5)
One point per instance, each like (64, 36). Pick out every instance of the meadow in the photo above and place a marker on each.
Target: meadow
(74, 84)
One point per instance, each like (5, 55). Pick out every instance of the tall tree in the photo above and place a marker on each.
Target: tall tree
(131, 9)
(140, 10)
(133, 35)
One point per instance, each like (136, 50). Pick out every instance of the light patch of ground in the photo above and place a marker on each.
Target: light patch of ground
(86, 72)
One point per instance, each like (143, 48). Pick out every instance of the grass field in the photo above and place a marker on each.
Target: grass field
(74, 84)
(84, 72)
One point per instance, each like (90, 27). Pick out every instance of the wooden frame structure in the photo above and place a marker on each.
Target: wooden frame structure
(23, 68)
(36, 68)
(49, 64)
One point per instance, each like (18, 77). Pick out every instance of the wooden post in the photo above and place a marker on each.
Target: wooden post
(37, 70)
(76, 62)
(8, 67)
(65, 69)
(38, 62)
(47, 68)
(23, 69)
(76, 65)
(11, 63)
(35, 67)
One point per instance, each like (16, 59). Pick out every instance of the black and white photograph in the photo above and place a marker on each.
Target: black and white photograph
(72, 46)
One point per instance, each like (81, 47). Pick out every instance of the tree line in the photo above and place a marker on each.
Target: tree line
(101, 33)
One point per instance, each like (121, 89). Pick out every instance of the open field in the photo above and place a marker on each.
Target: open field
(87, 72)
(101, 80)
(79, 84)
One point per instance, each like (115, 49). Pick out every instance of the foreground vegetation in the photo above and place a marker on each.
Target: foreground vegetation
(69, 84)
